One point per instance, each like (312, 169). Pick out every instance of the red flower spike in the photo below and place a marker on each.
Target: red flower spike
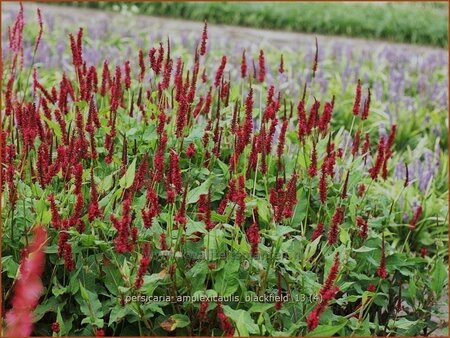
(27, 288)
(166, 74)
(143, 266)
(204, 39)
(243, 65)
(42, 164)
(141, 65)
(357, 102)
(313, 118)
(56, 220)
(224, 321)
(337, 219)
(262, 66)
(39, 36)
(94, 210)
(312, 171)
(362, 225)
(152, 58)
(281, 68)
(247, 129)
(318, 231)
(316, 58)
(281, 141)
(181, 118)
(202, 310)
(174, 174)
(323, 186)
(416, 217)
(302, 120)
(207, 106)
(69, 263)
(356, 141)
(78, 173)
(190, 151)
(376, 167)
(290, 197)
(361, 190)
(366, 108)
(272, 128)
(391, 137)
(204, 77)
(156, 63)
(162, 241)
(331, 278)
(328, 292)
(381, 272)
(253, 238)
(253, 158)
(384, 170)
(325, 119)
(220, 70)
(180, 216)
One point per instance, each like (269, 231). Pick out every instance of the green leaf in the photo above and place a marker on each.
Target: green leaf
(91, 307)
(364, 249)
(60, 320)
(326, 330)
(84, 293)
(226, 281)
(344, 237)
(263, 210)
(311, 249)
(243, 321)
(223, 166)
(412, 289)
(127, 180)
(439, 277)
(193, 227)
(194, 194)
(174, 321)
(54, 126)
(10, 266)
(49, 305)
(113, 279)
(106, 183)
(405, 327)
(260, 307)
(118, 313)
(181, 320)
(282, 230)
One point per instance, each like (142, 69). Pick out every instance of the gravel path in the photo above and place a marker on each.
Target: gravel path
(233, 33)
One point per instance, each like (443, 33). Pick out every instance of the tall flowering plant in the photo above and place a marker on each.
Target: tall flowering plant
(172, 191)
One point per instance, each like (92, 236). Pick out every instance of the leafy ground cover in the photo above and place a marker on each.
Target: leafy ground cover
(424, 23)
(292, 191)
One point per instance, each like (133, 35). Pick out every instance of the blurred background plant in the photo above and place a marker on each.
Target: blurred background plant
(411, 22)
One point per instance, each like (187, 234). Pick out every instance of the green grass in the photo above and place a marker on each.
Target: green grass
(423, 23)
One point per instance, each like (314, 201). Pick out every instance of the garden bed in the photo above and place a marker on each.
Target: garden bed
(219, 181)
